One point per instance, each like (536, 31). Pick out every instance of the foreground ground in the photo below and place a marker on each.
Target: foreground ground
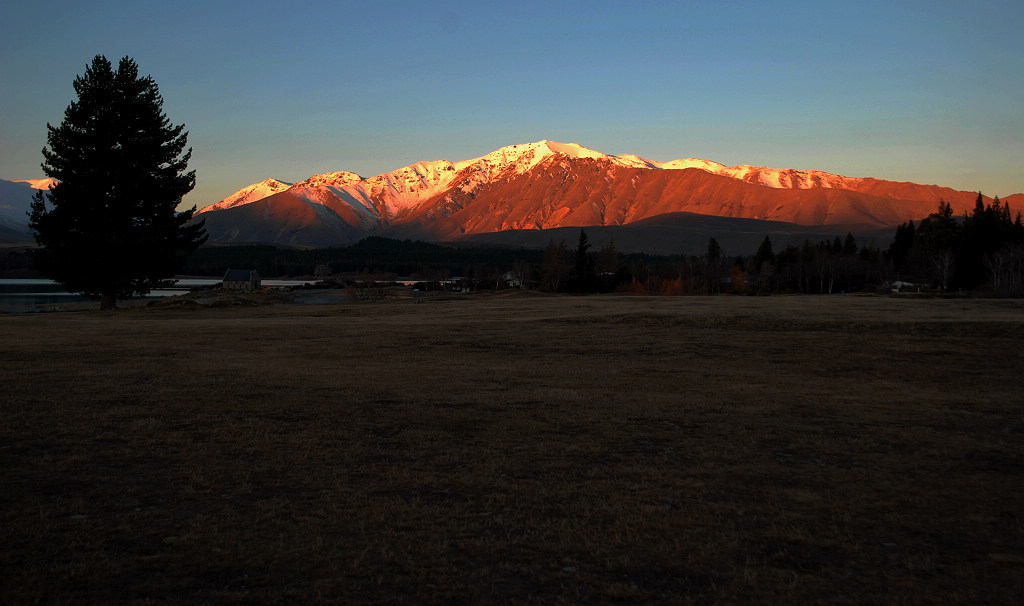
(516, 449)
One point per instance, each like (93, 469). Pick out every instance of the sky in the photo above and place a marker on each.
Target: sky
(930, 92)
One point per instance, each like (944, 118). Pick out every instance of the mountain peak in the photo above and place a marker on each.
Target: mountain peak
(340, 178)
(522, 157)
(251, 193)
(573, 150)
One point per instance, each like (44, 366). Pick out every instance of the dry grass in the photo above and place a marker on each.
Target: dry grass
(516, 449)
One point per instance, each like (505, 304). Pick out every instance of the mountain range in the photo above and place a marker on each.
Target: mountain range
(517, 194)
(508, 195)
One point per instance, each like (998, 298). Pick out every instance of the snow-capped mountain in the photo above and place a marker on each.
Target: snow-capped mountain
(391, 194)
(546, 185)
(252, 193)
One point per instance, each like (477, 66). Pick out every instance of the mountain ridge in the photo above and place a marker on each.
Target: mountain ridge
(548, 185)
(519, 158)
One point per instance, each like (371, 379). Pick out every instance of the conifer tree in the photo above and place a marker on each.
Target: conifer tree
(902, 243)
(713, 266)
(714, 253)
(850, 245)
(764, 253)
(936, 240)
(109, 227)
(583, 276)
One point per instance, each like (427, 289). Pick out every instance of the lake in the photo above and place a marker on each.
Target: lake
(18, 295)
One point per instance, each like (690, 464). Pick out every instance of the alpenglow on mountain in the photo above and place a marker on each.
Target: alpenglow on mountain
(546, 185)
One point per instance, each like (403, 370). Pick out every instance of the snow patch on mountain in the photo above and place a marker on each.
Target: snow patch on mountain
(405, 188)
(43, 184)
(684, 163)
(778, 178)
(634, 161)
(341, 178)
(252, 193)
(524, 157)
(350, 193)
(389, 195)
(788, 178)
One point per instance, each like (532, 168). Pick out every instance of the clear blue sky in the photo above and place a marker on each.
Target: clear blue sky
(931, 92)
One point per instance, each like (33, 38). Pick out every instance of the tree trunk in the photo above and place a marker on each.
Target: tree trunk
(107, 301)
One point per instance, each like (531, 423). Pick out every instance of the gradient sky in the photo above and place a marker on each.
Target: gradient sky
(930, 92)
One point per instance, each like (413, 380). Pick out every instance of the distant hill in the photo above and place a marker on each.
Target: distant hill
(683, 233)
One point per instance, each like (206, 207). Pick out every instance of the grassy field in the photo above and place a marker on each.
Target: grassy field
(513, 449)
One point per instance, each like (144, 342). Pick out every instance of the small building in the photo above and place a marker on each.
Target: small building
(456, 284)
(245, 280)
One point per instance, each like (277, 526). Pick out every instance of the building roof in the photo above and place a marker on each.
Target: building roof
(239, 275)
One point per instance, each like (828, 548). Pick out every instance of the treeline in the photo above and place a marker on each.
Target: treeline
(983, 250)
(823, 267)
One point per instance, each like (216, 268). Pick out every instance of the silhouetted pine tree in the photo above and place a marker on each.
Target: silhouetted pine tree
(583, 277)
(764, 254)
(849, 245)
(713, 266)
(109, 228)
(901, 245)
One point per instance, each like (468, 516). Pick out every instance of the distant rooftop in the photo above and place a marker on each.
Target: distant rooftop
(238, 275)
